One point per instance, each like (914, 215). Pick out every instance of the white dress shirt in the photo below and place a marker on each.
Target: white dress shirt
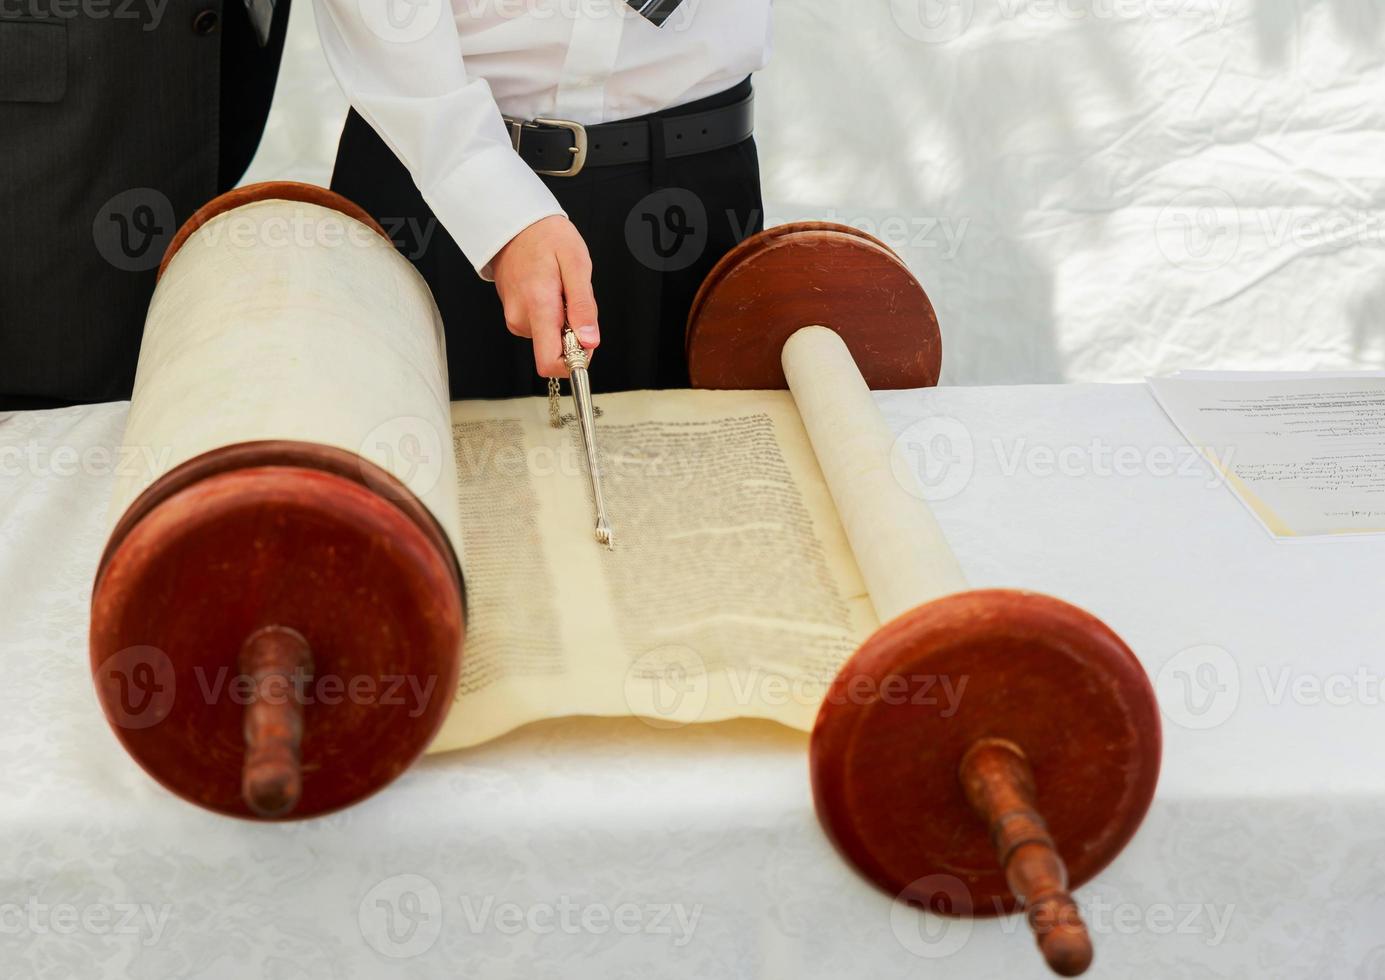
(433, 77)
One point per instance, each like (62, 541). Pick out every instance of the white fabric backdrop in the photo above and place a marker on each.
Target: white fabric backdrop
(1088, 189)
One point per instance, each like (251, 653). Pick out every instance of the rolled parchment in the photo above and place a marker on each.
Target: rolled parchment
(901, 551)
(289, 320)
(283, 556)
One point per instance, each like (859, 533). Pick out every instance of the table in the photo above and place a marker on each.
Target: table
(613, 849)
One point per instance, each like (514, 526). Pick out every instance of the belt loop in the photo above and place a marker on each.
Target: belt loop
(658, 155)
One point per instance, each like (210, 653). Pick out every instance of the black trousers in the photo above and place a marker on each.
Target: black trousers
(654, 231)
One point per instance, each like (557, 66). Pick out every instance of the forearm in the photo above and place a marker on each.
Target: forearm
(443, 126)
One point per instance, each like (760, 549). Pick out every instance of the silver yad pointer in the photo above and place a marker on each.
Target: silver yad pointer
(576, 359)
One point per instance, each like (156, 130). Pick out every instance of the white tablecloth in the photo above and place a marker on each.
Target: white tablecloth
(612, 850)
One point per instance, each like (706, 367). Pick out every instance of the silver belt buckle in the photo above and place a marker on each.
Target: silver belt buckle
(578, 148)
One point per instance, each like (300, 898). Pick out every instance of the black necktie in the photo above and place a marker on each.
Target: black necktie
(262, 17)
(655, 11)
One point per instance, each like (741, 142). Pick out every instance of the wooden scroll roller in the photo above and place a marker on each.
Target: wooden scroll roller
(1043, 769)
(277, 619)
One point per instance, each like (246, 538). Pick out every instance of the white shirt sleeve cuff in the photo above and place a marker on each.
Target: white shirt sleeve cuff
(487, 201)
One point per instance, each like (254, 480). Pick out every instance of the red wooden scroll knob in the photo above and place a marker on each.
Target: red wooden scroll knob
(804, 274)
(999, 786)
(277, 661)
(1006, 741)
(276, 630)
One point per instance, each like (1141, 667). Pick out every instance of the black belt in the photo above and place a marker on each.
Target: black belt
(562, 148)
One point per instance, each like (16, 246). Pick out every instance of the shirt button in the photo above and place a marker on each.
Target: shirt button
(206, 22)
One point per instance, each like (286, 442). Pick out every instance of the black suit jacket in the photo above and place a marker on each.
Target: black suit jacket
(113, 130)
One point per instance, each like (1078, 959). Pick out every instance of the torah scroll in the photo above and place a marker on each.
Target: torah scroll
(736, 590)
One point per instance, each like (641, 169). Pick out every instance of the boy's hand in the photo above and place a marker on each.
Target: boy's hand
(544, 277)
